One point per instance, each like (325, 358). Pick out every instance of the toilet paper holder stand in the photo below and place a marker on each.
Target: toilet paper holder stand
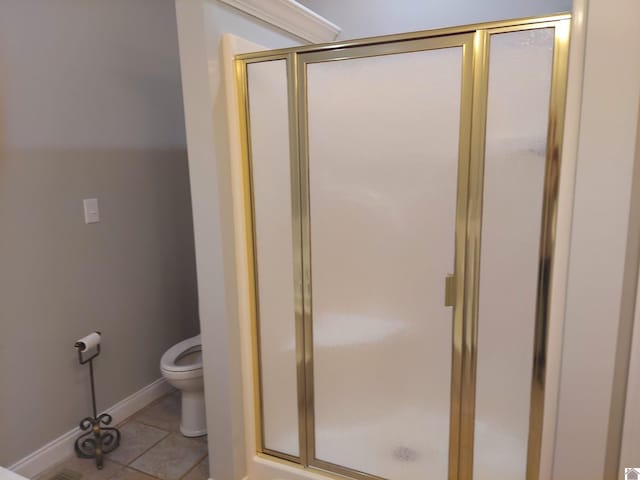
(97, 438)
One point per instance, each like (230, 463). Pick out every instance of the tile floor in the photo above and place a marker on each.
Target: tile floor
(151, 448)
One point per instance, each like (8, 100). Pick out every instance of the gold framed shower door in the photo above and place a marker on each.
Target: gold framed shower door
(475, 41)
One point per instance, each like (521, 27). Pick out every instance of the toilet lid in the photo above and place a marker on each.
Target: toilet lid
(184, 356)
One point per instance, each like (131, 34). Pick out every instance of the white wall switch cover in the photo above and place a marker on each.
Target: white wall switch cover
(91, 212)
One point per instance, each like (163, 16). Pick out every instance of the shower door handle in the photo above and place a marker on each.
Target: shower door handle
(450, 291)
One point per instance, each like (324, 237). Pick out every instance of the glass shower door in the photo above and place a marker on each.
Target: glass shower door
(387, 181)
(382, 202)
(515, 162)
(273, 240)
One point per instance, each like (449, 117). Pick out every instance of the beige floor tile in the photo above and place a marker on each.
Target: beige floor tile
(85, 468)
(163, 414)
(131, 474)
(199, 472)
(136, 438)
(170, 459)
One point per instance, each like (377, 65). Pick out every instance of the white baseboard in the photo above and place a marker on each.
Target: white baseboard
(62, 447)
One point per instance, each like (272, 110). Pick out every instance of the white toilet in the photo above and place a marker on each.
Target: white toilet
(181, 365)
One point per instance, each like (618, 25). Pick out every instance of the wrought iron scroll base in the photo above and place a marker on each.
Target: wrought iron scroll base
(97, 440)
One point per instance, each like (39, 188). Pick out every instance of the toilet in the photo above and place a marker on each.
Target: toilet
(181, 365)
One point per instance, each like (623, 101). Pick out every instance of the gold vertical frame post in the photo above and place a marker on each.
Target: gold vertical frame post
(298, 275)
(303, 149)
(470, 282)
(555, 133)
(245, 145)
(457, 455)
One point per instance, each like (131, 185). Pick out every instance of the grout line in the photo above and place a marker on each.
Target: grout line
(122, 467)
(150, 448)
(138, 470)
(132, 418)
(147, 450)
(197, 464)
(154, 426)
(152, 404)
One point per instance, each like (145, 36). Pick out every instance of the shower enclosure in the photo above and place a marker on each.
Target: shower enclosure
(401, 195)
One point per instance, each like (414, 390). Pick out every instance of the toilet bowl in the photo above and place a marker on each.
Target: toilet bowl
(181, 365)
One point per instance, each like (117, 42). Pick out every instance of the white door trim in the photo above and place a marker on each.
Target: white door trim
(290, 16)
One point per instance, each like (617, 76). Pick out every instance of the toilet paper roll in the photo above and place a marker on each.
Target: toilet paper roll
(87, 343)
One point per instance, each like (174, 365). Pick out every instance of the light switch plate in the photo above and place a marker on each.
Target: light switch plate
(91, 211)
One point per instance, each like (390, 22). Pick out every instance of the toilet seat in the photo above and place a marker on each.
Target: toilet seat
(169, 365)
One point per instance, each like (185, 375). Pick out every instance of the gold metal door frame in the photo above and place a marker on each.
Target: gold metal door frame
(475, 41)
(464, 41)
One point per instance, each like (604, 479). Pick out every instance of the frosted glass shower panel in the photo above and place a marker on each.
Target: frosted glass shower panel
(271, 185)
(383, 163)
(516, 139)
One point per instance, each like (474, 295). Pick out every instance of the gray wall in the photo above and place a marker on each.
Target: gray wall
(90, 106)
(368, 18)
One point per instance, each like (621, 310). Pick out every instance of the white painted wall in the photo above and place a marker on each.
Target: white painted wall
(630, 449)
(368, 18)
(90, 106)
(597, 291)
(201, 24)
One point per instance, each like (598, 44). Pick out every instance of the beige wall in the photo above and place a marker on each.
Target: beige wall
(90, 106)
